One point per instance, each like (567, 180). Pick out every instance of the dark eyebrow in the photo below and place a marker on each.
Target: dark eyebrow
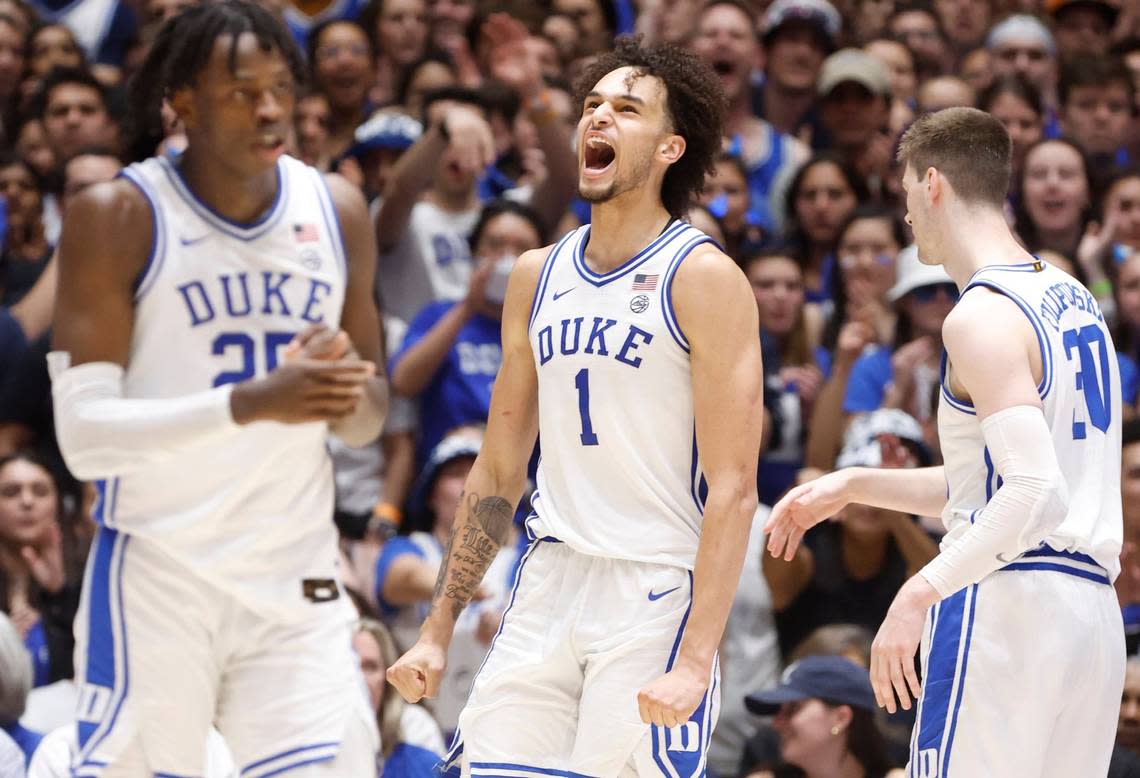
(629, 98)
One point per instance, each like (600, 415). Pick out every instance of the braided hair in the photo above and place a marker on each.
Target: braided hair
(180, 52)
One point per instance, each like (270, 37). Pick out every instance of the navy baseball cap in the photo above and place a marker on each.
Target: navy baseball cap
(384, 130)
(835, 679)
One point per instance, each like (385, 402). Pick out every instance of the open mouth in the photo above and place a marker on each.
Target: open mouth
(723, 67)
(270, 143)
(598, 154)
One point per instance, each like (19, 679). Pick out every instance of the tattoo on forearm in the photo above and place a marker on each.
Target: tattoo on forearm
(487, 527)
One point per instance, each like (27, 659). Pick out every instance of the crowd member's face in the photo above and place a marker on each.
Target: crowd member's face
(630, 112)
(311, 121)
(919, 31)
(446, 492)
(563, 33)
(1130, 454)
(726, 41)
(546, 54)
(341, 67)
(74, 118)
(1081, 30)
(871, 19)
(449, 18)
(805, 728)
(84, 171)
(1132, 62)
(1127, 289)
(976, 70)
(371, 666)
(427, 78)
(965, 21)
(1098, 117)
(867, 252)
(1054, 190)
(794, 58)
(778, 284)
(899, 63)
(591, 22)
(24, 198)
(823, 203)
(11, 59)
(1029, 57)
(53, 46)
(402, 29)
(728, 182)
(1123, 203)
(28, 503)
(245, 114)
(853, 114)
(1023, 124)
(928, 306)
(32, 144)
(507, 235)
(1128, 726)
(944, 92)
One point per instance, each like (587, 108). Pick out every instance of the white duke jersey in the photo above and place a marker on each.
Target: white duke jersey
(620, 475)
(218, 301)
(1080, 392)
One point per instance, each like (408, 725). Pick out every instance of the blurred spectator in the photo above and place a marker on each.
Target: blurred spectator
(303, 18)
(728, 198)
(855, 98)
(1126, 285)
(846, 640)
(410, 739)
(1023, 45)
(798, 35)
(726, 40)
(976, 69)
(312, 119)
(41, 559)
(1054, 196)
(791, 365)
(899, 63)
(1128, 583)
(50, 46)
(1082, 26)
(1017, 104)
(870, 20)
(749, 655)
(453, 350)
(964, 21)
(449, 23)
(1096, 107)
(596, 21)
(824, 715)
(32, 146)
(15, 683)
(848, 569)
(340, 55)
(944, 92)
(104, 29)
(435, 70)
(409, 565)
(823, 193)
(75, 110)
(917, 26)
(26, 249)
(377, 146)
(12, 58)
(399, 33)
(1126, 755)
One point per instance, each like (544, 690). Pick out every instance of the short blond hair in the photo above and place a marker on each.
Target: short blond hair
(969, 147)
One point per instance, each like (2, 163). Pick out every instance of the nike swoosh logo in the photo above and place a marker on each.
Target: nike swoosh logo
(191, 241)
(654, 597)
(1001, 558)
(568, 291)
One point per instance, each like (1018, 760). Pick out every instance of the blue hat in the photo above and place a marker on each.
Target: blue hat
(835, 679)
(384, 130)
(457, 445)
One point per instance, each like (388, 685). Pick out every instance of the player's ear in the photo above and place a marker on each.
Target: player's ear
(183, 106)
(671, 149)
(935, 185)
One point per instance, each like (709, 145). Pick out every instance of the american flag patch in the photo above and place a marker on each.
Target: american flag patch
(645, 283)
(305, 233)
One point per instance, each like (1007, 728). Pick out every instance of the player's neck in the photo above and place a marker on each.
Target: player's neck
(988, 241)
(237, 197)
(621, 227)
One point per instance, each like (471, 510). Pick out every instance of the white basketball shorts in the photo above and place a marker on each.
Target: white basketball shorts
(557, 692)
(161, 654)
(1022, 674)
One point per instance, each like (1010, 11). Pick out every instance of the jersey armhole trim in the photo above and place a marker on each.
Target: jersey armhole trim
(1038, 329)
(150, 270)
(544, 277)
(332, 221)
(670, 315)
(965, 406)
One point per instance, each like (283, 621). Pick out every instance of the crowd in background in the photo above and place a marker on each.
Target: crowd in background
(805, 197)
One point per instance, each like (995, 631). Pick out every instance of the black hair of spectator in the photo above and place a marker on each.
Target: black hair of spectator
(1124, 47)
(855, 182)
(60, 76)
(180, 52)
(1026, 229)
(43, 24)
(695, 107)
(919, 6)
(369, 21)
(10, 158)
(1013, 84)
(729, 158)
(1082, 70)
(773, 249)
(739, 5)
(455, 94)
(1130, 432)
(312, 43)
(500, 99)
(865, 742)
(530, 13)
(496, 208)
(431, 56)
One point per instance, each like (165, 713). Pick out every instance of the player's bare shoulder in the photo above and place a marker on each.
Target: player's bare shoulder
(709, 288)
(110, 227)
(347, 199)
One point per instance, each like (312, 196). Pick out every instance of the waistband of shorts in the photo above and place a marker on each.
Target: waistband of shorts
(1071, 563)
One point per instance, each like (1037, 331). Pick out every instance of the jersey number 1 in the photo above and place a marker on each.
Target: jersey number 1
(1094, 380)
(582, 384)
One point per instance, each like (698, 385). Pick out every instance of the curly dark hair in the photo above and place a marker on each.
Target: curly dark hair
(695, 107)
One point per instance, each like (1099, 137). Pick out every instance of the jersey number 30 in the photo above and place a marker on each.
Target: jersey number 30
(1094, 380)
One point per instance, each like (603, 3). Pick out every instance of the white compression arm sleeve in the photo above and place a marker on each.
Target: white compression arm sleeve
(104, 434)
(1032, 501)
